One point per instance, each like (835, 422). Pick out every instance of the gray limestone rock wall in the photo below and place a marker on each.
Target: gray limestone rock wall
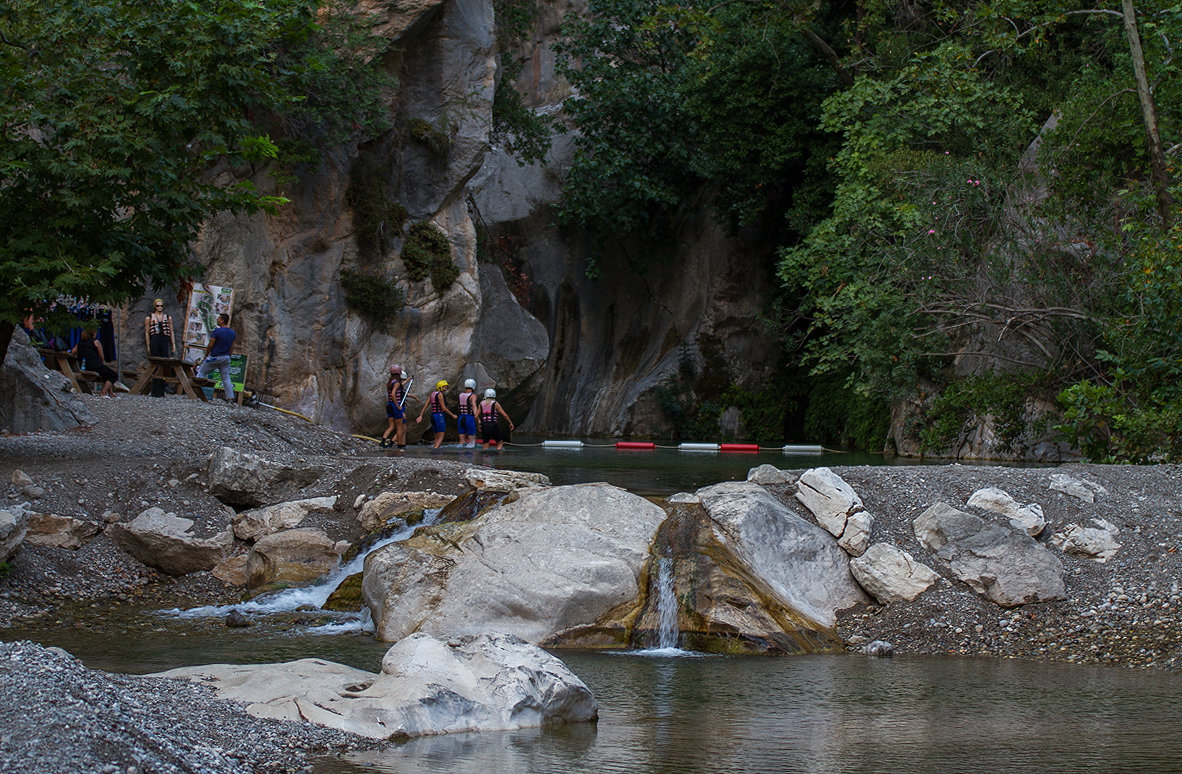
(565, 354)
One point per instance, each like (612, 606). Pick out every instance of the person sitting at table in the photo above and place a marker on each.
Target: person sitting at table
(89, 352)
(217, 355)
(158, 340)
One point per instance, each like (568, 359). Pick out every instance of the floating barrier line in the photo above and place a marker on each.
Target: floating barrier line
(730, 448)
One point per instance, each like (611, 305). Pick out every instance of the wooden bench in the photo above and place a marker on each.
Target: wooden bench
(87, 380)
(170, 369)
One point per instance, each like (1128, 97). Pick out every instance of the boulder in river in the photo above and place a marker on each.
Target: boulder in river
(801, 562)
(490, 682)
(542, 561)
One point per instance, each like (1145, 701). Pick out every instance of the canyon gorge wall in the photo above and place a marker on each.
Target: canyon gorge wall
(567, 354)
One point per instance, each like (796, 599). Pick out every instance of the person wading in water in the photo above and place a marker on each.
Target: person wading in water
(438, 408)
(490, 429)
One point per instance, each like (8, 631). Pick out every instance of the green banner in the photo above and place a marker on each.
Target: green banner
(238, 372)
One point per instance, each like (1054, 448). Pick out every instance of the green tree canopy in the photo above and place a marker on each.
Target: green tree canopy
(124, 125)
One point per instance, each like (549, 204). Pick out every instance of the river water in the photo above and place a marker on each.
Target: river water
(668, 711)
(660, 471)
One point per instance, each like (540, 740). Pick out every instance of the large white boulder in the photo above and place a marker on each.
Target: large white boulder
(1097, 543)
(1081, 490)
(14, 525)
(293, 556)
(167, 542)
(257, 522)
(836, 507)
(491, 682)
(545, 560)
(800, 562)
(1027, 518)
(387, 506)
(242, 478)
(1002, 564)
(48, 529)
(890, 574)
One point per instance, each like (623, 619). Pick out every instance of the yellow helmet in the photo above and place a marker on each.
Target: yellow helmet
(440, 385)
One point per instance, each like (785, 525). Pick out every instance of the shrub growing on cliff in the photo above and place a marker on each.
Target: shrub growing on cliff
(377, 219)
(427, 252)
(374, 297)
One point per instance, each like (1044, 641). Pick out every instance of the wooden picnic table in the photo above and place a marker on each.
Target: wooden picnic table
(66, 363)
(172, 370)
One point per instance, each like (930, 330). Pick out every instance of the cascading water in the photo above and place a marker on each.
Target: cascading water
(667, 631)
(289, 600)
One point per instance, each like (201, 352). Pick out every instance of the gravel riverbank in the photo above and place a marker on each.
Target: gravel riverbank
(145, 452)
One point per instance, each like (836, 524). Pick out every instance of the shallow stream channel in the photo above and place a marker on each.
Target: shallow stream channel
(667, 710)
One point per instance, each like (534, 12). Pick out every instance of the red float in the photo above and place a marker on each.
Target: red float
(635, 445)
(738, 447)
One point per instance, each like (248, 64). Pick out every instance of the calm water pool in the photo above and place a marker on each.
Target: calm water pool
(655, 472)
(726, 715)
(829, 714)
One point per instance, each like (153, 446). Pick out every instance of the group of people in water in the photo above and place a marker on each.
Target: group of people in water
(473, 415)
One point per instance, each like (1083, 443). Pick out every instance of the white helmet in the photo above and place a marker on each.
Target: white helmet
(490, 393)
(470, 384)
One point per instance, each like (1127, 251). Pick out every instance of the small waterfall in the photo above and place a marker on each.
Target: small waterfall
(289, 600)
(667, 632)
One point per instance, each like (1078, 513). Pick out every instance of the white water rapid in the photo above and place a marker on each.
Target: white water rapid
(290, 600)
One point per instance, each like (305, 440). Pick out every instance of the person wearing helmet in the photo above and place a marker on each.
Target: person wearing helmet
(395, 432)
(467, 418)
(438, 409)
(490, 429)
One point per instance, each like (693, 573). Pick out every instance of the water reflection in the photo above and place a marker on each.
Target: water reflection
(831, 714)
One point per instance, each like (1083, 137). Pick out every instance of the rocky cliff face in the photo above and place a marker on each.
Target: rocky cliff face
(565, 353)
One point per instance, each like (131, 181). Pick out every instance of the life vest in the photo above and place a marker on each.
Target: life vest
(395, 386)
(436, 401)
(466, 403)
(488, 412)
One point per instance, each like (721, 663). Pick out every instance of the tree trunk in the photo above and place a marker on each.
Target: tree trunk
(1157, 157)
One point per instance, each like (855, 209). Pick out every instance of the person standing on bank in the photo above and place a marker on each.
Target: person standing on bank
(158, 340)
(394, 413)
(396, 395)
(466, 422)
(490, 429)
(438, 409)
(217, 355)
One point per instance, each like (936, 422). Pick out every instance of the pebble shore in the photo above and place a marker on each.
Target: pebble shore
(142, 451)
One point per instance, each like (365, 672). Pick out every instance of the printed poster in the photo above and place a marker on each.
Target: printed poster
(206, 302)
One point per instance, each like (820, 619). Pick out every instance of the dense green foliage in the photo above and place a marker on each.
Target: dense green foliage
(1133, 411)
(115, 117)
(926, 241)
(677, 99)
(427, 253)
(374, 297)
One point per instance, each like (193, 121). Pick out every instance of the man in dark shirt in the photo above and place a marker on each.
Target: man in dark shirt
(217, 355)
